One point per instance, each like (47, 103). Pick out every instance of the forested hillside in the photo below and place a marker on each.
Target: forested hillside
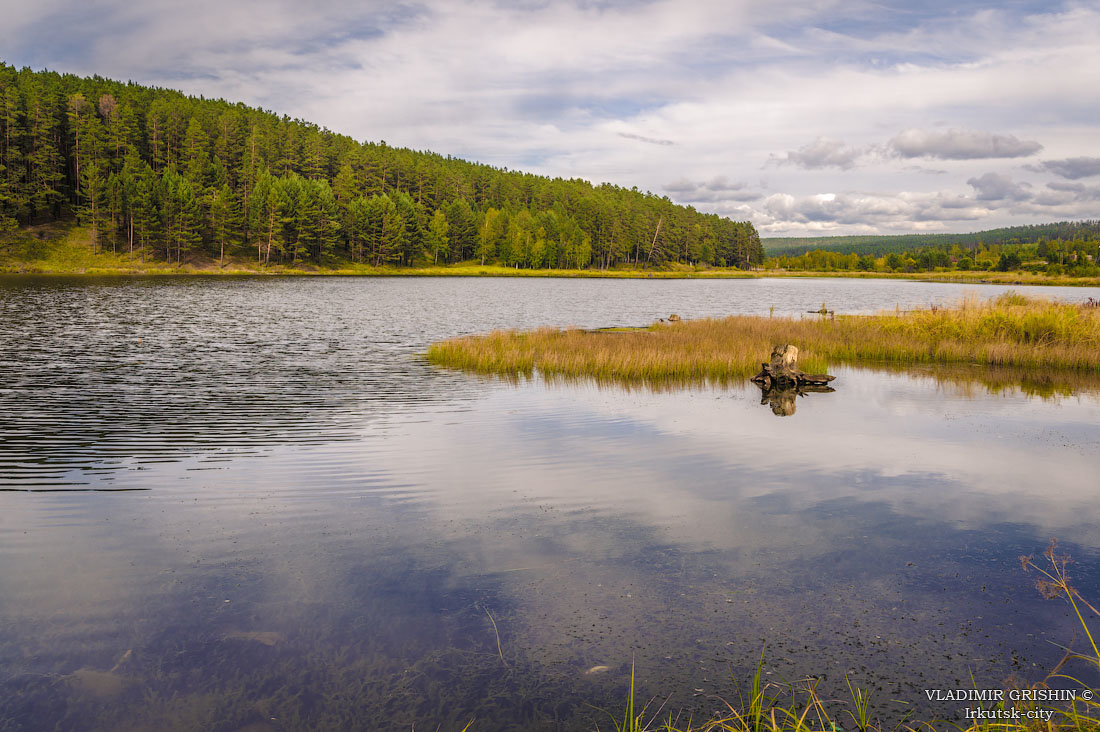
(1063, 248)
(881, 245)
(168, 176)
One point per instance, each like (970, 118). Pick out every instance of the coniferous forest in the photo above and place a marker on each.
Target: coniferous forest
(167, 177)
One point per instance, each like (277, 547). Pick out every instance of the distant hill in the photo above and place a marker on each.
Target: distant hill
(880, 245)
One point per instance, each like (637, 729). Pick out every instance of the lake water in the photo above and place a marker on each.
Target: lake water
(249, 504)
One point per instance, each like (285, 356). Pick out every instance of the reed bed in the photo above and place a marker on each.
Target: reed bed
(1011, 330)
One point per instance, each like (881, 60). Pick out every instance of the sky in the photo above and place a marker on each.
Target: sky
(806, 117)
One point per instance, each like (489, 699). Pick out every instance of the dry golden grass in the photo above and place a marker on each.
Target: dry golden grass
(1038, 335)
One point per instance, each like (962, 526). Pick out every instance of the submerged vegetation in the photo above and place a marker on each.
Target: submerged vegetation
(799, 706)
(1009, 331)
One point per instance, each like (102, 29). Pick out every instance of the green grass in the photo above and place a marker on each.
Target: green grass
(62, 248)
(1011, 331)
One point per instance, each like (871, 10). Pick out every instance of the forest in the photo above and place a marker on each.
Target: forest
(878, 245)
(1077, 257)
(165, 176)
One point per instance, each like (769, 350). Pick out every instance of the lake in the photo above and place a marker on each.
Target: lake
(250, 504)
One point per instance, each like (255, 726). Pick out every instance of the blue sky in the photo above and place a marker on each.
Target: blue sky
(804, 117)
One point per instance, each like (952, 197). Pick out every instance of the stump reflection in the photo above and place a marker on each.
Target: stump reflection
(783, 401)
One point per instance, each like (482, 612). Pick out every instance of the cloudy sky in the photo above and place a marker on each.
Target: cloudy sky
(805, 117)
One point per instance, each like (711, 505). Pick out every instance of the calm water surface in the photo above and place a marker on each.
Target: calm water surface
(249, 504)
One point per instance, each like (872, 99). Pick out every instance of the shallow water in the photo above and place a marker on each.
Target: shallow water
(240, 502)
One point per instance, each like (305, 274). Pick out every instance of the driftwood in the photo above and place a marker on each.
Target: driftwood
(782, 382)
(782, 372)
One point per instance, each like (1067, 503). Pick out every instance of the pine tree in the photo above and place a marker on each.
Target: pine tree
(328, 219)
(460, 218)
(385, 229)
(279, 211)
(45, 177)
(438, 239)
(224, 219)
(180, 214)
(113, 203)
(13, 205)
(414, 240)
(195, 154)
(91, 209)
(144, 214)
(114, 136)
(228, 146)
(298, 215)
(357, 226)
(260, 214)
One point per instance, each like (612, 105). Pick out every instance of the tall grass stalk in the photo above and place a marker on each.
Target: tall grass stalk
(1009, 331)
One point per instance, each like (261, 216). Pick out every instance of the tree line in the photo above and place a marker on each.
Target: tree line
(878, 246)
(1077, 257)
(160, 174)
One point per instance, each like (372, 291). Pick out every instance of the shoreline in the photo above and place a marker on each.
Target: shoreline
(62, 251)
(29, 269)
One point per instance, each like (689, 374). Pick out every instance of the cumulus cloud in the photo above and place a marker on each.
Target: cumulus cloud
(1073, 168)
(823, 153)
(868, 211)
(682, 185)
(1061, 200)
(1079, 191)
(559, 87)
(960, 145)
(864, 212)
(998, 187)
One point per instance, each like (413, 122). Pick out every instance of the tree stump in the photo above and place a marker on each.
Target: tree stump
(782, 371)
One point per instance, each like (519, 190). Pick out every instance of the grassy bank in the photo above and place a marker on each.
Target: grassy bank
(1009, 331)
(969, 277)
(61, 248)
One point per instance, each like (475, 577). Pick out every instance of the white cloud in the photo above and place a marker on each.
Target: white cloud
(718, 189)
(1073, 168)
(867, 211)
(823, 153)
(598, 90)
(997, 187)
(960, 145)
